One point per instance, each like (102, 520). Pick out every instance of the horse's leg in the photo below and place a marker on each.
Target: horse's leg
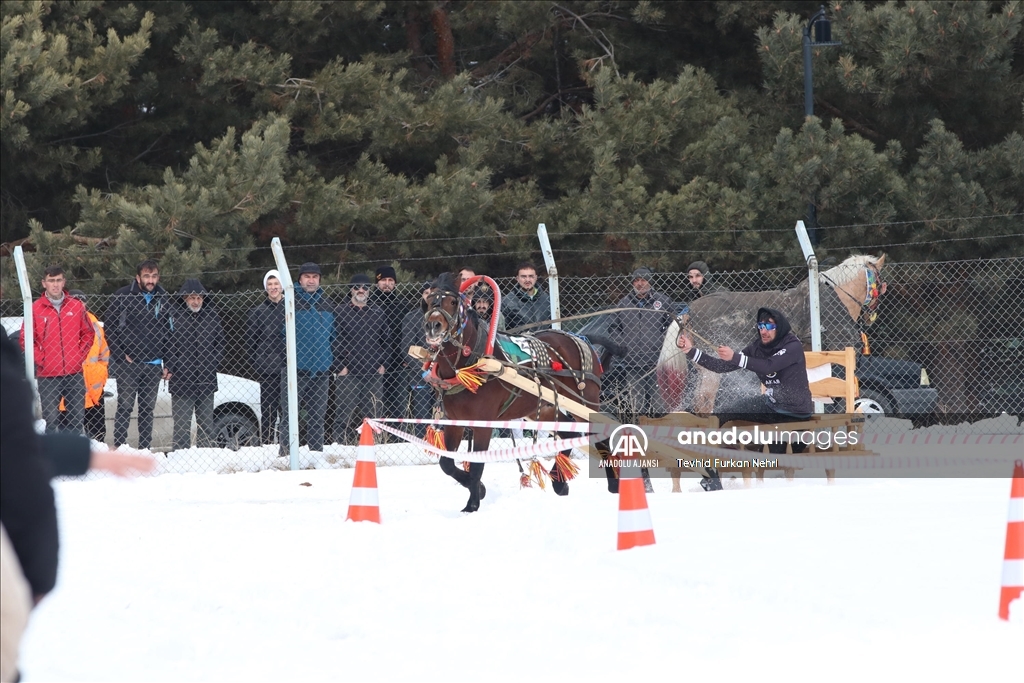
(453, 435)
(477, 490)
(707, 387)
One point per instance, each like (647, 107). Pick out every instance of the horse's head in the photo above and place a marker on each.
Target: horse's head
(859, 285)
(446, 316)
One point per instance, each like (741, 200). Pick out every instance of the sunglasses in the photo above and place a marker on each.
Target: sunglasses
(767, 327)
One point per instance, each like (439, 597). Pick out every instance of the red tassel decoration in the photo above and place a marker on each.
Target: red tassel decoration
(564, 469)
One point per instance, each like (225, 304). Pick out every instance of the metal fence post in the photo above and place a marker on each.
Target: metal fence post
(812, 295)
(549, 262)
(26, 303)
(289, 345)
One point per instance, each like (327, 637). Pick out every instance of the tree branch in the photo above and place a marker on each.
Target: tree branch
(859, 127)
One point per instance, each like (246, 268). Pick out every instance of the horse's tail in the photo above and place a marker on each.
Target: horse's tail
(671, 369)
(610, 348)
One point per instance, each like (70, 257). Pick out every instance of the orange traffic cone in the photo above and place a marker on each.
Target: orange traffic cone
(634, 518)
(362, 506)
(1013, 557)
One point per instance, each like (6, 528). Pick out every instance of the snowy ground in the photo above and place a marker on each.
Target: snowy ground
(256, 576)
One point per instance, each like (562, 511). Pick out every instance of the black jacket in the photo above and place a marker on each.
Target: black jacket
(266, 342)
(641, 329)
(392, 308)
(195, 348)
(780, 366)
(361, 339)
(135, 327)
(413, 334)
(26, 500)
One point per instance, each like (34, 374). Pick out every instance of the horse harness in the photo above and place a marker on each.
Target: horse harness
(544, 366)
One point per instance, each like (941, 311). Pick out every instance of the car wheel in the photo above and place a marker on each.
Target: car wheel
(232, 430)
(873, 403)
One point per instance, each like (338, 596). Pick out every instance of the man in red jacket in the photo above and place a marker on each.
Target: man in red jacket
(62, 337)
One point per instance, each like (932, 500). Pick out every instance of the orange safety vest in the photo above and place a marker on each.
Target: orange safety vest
(94, 369)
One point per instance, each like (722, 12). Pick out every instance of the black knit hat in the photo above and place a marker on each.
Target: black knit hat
(386, 272)
(360, 279)
(309, 267)
(698, 265)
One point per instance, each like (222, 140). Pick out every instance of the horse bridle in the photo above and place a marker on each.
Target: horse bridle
(458, 320)
(869, 306)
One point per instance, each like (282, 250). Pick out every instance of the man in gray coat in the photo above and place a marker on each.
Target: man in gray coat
(641, 330)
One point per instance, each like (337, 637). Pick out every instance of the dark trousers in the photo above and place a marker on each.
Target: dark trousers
(756, 409)
(96, 422)
(422, 403)
(140, 380)
(359, 396)
(395, 394)
(312, 390)
(270, 406)
(182, 409)
(634, 393)
(72, 389)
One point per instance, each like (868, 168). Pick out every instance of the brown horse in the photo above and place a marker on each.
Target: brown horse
(562, 362)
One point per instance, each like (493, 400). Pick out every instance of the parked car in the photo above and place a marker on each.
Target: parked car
(887, 386)
(236, 408)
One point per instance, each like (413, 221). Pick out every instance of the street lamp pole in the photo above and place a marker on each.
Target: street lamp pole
(823, 38)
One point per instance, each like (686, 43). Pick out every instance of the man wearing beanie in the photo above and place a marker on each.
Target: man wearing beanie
(361, 353)
(315, 316)
(266, 353)
(392, 307)
(701, 281)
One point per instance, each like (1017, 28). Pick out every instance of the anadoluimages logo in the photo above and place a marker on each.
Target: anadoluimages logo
(628, 441)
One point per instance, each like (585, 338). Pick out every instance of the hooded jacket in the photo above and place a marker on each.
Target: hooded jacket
(61, 338)
(195, 346)
(136, 326)
(780, 366)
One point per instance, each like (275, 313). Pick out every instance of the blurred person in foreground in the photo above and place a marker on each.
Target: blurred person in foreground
(28, 515)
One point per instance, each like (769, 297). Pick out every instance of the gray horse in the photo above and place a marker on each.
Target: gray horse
(848, 294)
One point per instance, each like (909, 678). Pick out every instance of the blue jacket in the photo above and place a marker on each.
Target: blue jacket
(314, 330)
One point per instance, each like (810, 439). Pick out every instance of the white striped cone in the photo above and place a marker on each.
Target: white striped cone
(1013, 556)
(635, 526)
(363, 505)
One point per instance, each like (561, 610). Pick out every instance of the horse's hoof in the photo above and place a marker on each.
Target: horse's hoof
(613, 486)
(472, 506)
(560, 487)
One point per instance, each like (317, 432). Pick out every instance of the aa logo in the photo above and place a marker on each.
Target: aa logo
(628, 441)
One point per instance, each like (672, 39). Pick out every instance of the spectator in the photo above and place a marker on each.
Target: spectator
(28, 563)
(194, 352)
(95, 372)
(776, 356)
(266, 353)
(701, 281)
(414, 334)
(527, 303)
(62, 336)
(640, 330)
(392, 308)
(137, 328)
(314, 341)
(362, 344)
(483, 304)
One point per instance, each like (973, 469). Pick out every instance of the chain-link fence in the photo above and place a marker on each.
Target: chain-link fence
(947, 347)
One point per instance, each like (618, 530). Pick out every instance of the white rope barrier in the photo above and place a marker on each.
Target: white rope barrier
(525, 452)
